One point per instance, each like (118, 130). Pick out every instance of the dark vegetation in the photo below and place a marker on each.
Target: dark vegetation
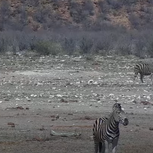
(46, 32)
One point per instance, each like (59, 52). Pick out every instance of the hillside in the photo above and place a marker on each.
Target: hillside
(106, 27)
(85, 14)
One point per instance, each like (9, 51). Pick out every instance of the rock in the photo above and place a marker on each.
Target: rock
(11, 124)
(145, 103)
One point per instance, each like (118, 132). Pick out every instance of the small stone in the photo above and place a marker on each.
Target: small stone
(151, 128)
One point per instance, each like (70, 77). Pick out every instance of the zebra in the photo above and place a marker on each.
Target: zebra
(106, 129)
(143, 69)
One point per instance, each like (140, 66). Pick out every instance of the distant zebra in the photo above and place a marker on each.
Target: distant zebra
(143, 69)
(106, 130)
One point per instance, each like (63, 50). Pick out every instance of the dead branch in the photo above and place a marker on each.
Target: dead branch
(53, 133)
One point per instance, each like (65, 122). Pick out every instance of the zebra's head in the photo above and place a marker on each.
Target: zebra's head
(119, 114)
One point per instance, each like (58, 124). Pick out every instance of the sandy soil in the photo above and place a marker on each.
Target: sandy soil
(66, 94)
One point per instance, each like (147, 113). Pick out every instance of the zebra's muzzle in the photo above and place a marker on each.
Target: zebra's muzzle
(126, 122)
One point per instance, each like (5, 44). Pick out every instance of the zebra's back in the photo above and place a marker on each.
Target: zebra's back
(142, 68)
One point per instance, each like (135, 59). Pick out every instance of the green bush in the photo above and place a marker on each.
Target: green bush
(46, 48)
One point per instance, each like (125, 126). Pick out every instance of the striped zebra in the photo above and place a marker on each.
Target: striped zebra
(143, 69)
(106, 130)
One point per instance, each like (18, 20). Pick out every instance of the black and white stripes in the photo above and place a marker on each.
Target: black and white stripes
(106, 130)
(143, 69)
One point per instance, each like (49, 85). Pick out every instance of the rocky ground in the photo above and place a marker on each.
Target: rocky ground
(66, 94)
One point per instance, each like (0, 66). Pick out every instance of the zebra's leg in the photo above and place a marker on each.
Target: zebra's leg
(114, 149)
(103, 147)
(100, 147)
(96, 146)
(107, 149)
(141, 77)
(114, 145)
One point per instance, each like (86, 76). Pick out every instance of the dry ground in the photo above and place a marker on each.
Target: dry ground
(66, 94)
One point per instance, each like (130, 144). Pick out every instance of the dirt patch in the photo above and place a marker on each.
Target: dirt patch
(66, 95)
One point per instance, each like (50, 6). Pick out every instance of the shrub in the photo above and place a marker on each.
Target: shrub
(104, 6)
(123, 50)
(88, 6)
(150, 50)
(5, 9)
(46, 48)
(79, 12)
(3, 45)
(85, 45)
(69, 45)
(4, 14)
